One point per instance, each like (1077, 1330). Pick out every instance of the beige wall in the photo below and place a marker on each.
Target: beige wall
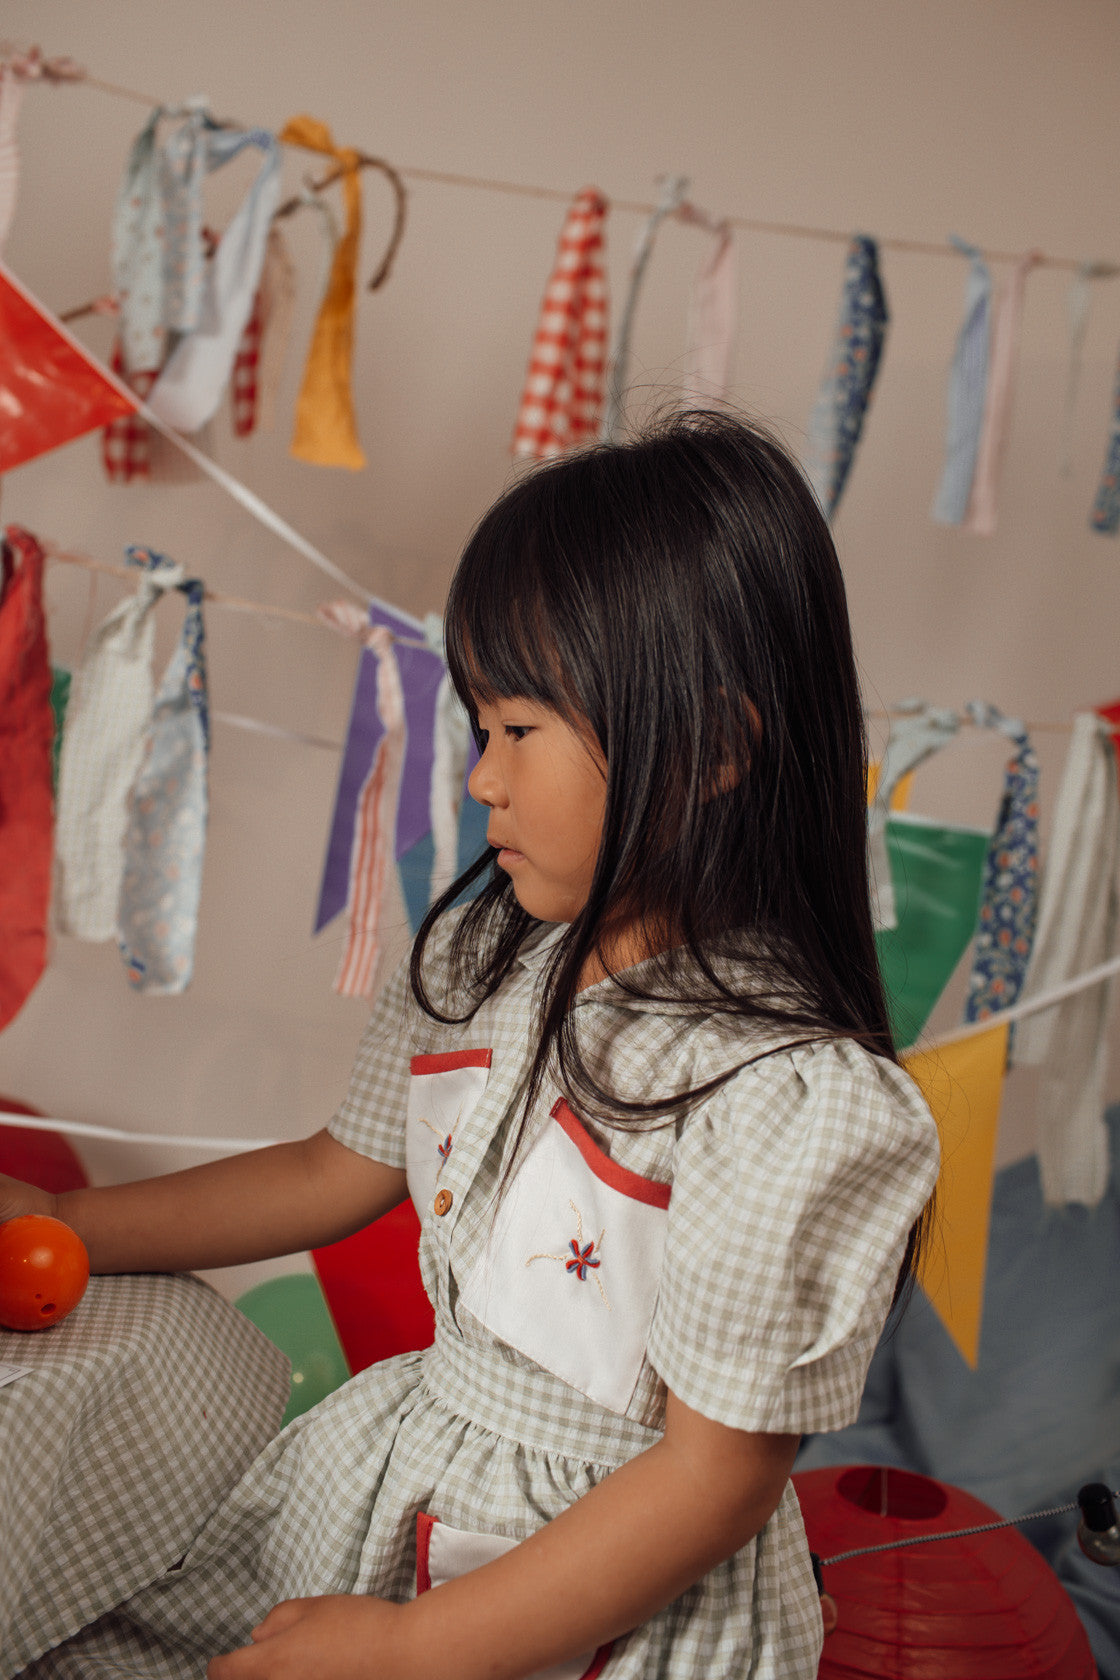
(993, 118)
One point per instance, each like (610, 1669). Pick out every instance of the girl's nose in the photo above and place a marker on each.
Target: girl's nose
(483, 785)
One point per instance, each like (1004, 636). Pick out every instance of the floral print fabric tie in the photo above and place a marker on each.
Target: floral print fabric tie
(838, 415)
(1009, 902)
(1105, 516)
(165, 837)
(26, 800)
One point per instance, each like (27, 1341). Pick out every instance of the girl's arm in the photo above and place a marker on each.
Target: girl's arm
(608, 1563)
(278, 1200)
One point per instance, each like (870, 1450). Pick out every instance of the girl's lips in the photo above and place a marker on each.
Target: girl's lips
(507, 855)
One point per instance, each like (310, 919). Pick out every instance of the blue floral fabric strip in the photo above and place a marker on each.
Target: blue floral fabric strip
(165, 838)
(1009, 900)
(840, 408)
(1105, 516)
(968, 383)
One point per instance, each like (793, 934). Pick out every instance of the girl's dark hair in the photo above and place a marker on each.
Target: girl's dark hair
(681, 595)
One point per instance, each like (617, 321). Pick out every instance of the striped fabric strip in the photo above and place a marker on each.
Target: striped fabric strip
(563, 394)
(673, 189)
(375, 827)
(968, 383)
(983, 498)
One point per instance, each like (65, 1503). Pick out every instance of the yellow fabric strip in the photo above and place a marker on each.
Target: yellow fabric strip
(325, 431)
(963, 1084)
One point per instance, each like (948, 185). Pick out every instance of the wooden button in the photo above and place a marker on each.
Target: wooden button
(442, 1202)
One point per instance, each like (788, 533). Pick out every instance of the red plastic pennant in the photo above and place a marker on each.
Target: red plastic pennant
(51, 391)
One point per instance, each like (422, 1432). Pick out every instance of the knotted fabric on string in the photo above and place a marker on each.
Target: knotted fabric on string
(197, 371)
(106, 728)
(11, 96)
(673, 190)
(968, 383)
(372, 854)
(165, 836)
(919, 731)
(562, 399)
(980, 516)
(26, 799)
(1078, 929)
(1009, 901)
(712, 308)
(845, 393)
(1105, 516)
(325, 430)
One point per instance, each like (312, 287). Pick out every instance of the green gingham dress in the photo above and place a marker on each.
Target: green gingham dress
(743, 1256)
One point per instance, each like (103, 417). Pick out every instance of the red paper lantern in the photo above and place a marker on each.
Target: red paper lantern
(984, 1607)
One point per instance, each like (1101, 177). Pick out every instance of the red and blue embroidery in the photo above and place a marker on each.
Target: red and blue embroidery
(443, 1142)
(583, 1258)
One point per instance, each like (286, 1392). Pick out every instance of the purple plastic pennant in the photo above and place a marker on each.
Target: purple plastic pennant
(421, 671)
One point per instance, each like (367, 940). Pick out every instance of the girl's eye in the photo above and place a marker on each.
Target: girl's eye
(516, 731)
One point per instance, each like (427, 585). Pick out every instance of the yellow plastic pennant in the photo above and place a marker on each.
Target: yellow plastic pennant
(325, 432)
(900, 798)
(963, 1085)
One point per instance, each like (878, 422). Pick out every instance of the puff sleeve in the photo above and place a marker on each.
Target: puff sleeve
(794, 1190)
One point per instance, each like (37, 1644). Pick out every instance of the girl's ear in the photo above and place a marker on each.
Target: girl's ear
(738, 736)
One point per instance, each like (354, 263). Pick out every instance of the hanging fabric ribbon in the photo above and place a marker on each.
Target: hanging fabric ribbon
(673, 190)
(1078, 928)
(421, 670)
(562, 399)
(980, 516)
(197, 371)
(1077, 319)
(1105, 516)
(138, 241)
(840, 408)
(1005, 929)
(968, 383)
(451, 747)
(165, 835)
(126, 441)
(712, 310)
(278, 303)
(372, 854)
(325, 431)
(919, 731)
(26, 798)
(11, 96)
(101, 752)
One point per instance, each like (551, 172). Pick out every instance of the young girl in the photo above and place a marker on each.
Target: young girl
(643, 1094)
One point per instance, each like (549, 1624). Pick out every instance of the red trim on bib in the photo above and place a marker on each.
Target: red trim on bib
(424, 1526)
(448, 1060)
(620, 1178)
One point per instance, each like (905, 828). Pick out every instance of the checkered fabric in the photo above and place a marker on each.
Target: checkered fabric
(563, 396)
(243, 378)
(793, 1190)
(141, 1410)
(126, 442)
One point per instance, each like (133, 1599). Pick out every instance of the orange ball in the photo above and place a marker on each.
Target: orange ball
(44, 1269)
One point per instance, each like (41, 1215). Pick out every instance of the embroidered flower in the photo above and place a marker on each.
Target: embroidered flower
(581, 1259)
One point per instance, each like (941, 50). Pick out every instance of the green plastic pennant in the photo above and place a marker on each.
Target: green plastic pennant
(293, 1314)
(938, 874)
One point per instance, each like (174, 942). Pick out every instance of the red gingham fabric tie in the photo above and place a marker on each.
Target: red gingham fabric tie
(562, 400)
(126, 441)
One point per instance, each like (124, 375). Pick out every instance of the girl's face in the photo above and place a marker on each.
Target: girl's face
(545, 785)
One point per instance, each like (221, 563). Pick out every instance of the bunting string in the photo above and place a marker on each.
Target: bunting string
(75, 76)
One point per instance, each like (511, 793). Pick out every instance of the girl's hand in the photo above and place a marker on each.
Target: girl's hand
(17, 1198)
(341, 1637)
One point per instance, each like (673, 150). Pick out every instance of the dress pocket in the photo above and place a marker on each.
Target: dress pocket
(570, 1273)
(443, 1093)
(444, 1553)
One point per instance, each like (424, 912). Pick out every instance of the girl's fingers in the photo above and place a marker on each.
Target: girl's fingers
(280, 1617)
